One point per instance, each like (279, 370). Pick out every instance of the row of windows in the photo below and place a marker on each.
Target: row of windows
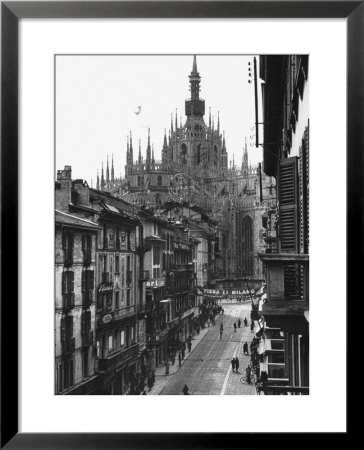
(105, 300)
(113, 341)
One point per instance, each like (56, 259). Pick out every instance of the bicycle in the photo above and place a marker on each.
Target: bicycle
(244, 380)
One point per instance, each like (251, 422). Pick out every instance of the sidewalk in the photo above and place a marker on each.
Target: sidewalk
(161, 379)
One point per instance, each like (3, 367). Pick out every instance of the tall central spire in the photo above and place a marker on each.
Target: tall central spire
(195, 81)
(195, 106)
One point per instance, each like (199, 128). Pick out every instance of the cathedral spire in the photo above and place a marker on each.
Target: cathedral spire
(152, 153)
(131, 157)
(112, 169)
(172, 122)
(218, 122)
(194, 81)
(107, 170)
(140, 151)
(102, 177)
(98, 181)
(176, 120)
(210, 117)
(165, 139)
(148, 148)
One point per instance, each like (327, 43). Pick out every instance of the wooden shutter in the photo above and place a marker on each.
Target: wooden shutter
(91, 279)
(88, 321)
(71, 240)
(83, 280)
(64, 282)
(83, 323)
(84, 241)
(72, 281)
(70, 326)
(288, 223)
(63, 330)
(64, 240)
(89, 242)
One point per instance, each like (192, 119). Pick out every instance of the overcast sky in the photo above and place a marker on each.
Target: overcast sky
(97, 97)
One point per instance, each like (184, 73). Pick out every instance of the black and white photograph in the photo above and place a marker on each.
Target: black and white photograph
(181, 224)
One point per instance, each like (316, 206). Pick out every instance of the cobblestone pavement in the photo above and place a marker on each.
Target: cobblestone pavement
(207, 369)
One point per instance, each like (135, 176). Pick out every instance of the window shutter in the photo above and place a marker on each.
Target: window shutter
(71, 240)
(83, 323)
(84, 239)
(88, 321)
(91, 279)
(70, 327)
(83, 280)
(64, 240)
(72, 281)
(63, 330)
(288, 225)
(89, 242)
(64, 282)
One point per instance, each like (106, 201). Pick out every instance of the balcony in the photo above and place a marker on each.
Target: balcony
(68, 346)
(144, 275)
(119, 314)
(144, 246)
(145, 308)
(88, 298)
(68, 301)
(87, 338)
(118, 358)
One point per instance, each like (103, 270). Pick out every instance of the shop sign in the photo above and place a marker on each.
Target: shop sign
(239, 292)
(155, 283)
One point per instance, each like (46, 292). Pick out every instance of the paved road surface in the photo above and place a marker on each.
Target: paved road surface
(208, 371)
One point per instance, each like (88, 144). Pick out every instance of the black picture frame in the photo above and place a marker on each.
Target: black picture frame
(11, 12)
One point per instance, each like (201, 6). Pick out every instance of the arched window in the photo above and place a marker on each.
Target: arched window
(159, 180)
(247, 241)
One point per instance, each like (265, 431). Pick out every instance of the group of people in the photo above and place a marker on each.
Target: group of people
(238, 325)
(235, 364)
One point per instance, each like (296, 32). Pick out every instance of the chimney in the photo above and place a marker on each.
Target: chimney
(63, 188)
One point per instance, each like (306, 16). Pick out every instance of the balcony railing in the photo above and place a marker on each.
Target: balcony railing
(68, 346)
(119, 314)
(115, 359)
(87, 338)
(68, 301)
(87, 297)
(144, 275)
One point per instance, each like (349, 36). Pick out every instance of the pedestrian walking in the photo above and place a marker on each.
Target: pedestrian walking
(233, 364)
(237, 364)
(234, 327)
(239, 323)
(179, 358)
(221, 327)
(245, 322)
(189, 346)
(185, 390)
(183, 353)
(222, 311)
(221, 331)
(252, 327)
(245, 347)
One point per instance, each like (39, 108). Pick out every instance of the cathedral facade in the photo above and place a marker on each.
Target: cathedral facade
(194, 171)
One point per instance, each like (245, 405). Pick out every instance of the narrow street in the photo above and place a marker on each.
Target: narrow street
(207, 370)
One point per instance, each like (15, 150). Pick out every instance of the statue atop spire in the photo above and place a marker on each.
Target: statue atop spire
(112, 169)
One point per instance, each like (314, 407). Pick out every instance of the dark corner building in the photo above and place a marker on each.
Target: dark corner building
(284, 347)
